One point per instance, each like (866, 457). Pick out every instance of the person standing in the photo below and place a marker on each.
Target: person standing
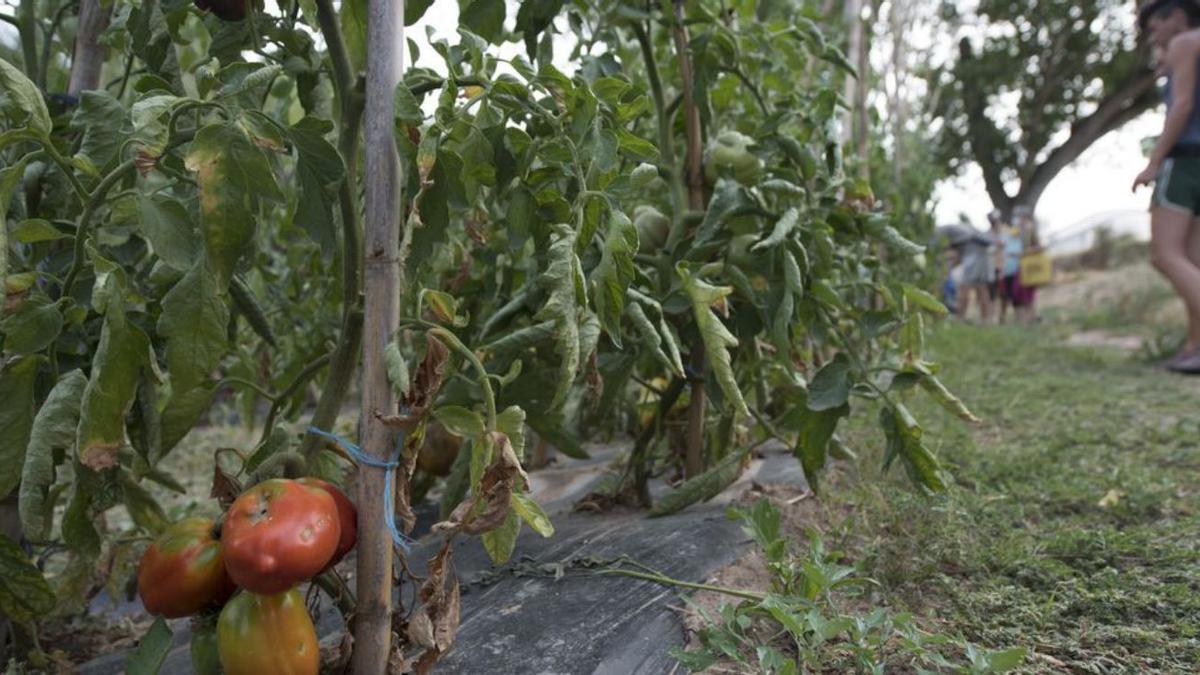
(1025, 229)
(974, 254)
(1008, 264)
(1174, 166)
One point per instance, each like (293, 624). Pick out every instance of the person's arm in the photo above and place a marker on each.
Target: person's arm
(1181, 59)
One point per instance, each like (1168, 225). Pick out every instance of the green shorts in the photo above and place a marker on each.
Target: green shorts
(1178, 185)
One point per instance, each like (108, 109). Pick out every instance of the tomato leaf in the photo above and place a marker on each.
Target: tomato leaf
(36, 230)
(485, 18)
(353, 17)
(24, 95)
(104, 125)
(151, 651)
(169, 229)
(194, 317)
(33, 327)
(143, 509)
(500, 542)
(319, 170)
(16, 417)
(25, 595)
(10, 178)
(924, 300)
(830, 387)
(561, 307)
(703, 487)
(233, 175)
(460, 421)
(717, 338)
(779, 234)
(615, 274)
(531, 512)
(511, 423)
(116, 367)
(181, 413)
(53, 428)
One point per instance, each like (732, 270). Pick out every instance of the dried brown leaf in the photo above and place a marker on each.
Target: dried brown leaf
(427, 381)
(225, 488)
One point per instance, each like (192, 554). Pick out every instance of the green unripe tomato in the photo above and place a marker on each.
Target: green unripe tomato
(653, 228)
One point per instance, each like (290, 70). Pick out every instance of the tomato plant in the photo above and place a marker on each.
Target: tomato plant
(279, 533)
(660, 240)
(259, 634)
(183, 571)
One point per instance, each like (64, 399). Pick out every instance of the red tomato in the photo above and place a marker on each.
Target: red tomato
(347, 517)
(183, 571)
(279, 533)
(267, 635)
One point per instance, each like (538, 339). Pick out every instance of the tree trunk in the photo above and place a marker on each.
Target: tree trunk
(89, 54)
(381, 280)
(898, 21)
(852, 16)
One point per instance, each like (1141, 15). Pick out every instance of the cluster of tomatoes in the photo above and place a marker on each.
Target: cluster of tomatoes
(274, 536)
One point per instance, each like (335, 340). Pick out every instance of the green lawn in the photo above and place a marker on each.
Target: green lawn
(1074, 526)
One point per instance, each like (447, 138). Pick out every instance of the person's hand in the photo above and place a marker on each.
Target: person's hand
(1147, 176)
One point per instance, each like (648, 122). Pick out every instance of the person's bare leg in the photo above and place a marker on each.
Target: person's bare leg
(1169, 247)
(985, 304)
(964, 301)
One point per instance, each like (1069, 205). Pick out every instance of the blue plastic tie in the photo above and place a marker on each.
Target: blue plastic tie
(389, 495)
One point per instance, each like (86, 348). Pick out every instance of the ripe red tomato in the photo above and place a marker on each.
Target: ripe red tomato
(183, 571)
(347, 517)
(267, 635)
(279, 533)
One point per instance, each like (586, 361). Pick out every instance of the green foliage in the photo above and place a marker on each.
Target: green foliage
(189, 250)
(806, 620)
(1058, 61)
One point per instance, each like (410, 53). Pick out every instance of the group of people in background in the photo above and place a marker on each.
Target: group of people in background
(984, 268)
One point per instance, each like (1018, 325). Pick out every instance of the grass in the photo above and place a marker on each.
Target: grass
(1073, 529)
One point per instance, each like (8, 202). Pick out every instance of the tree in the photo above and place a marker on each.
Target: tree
(1042, 70)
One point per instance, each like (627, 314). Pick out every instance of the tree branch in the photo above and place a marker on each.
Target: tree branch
(982, 134)
(1133, 98)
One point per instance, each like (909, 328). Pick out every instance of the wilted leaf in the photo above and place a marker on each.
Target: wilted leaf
(25, 595)
(428, 379)
(717, 338)
(783, 228)
(16, 417)
(23, 94)
(703, 487)
(33, 327)
(234, 175)
(502, 541)
(194, 316)
(116, 368)
(924, 300)
(615, 273)
(561, 307)
(53, 428)
(946, 399)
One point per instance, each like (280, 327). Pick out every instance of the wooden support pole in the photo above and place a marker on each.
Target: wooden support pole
(381, 282)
